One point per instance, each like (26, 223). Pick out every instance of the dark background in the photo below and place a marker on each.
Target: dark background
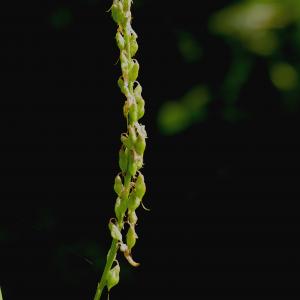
(221, 165)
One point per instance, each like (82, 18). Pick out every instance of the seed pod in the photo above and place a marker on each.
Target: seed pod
(133, 45)
(131, 237)
(117, 13)
(140, 102)
(134, 71)
(124, 195)
(120, 208)
(123, 160)
(114, 231)
(131, 136)
(124, 89)
(139, 162)
(140, 186)
(132, 166)
(133, 113)
(132, 217)
(118, 186)
(124, 62)
(127, 4)
(138, 91)
(133, 201)
(120, 40)
(140, 145)
(113, 277)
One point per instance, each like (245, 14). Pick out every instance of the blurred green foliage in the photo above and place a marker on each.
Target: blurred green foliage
(253, 29)
(176, 116)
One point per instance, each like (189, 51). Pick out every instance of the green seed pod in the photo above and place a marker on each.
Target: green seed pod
(118, 186)
(123, 160)
(140, 145)
(132, 217)
(131, 237)
(114, 231)
(139, 162)
(124, 89)
(133, 113)
(120, 208)
(125, 141)
(133, 201)
(124, 62)
(131, 136)
(133, 45)
(132, 166)
(120, 40)
(117, 13)
(124, 194)
(138, 91)
(113, 277)
(134, 71)
(140, 102)
(127, 4)
(140, 186)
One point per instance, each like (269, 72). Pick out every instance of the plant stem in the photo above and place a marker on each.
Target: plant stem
(110, 259)
(112, 253)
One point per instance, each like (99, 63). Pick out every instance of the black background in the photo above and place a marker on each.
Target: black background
(224, 219)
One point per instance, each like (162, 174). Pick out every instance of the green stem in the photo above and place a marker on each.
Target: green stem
(110, 259)
(112, 253)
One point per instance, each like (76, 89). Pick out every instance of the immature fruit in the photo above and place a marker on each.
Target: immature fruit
(117, 12)
(140, 145)
(133, 45)
(140, 186)
(113, 277)
(127, 4)
(131, 136)
(118, 186)
(123, 161)
(131, 237)
(132, 166)
(133, 113)
(120, 208)
(114, 231)
(133, 201)
(132, 217)
(134, 71)
(120, 40)
(140, 102)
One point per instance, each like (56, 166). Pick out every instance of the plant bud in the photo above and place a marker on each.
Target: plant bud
(118, 186)
(139, 162)
(133, 201)
(140, 145)
(134, 71)
(132, 166)
(140, 186)
(132, 217)
(120, 208)
(131, 237)
(124, 195)
(138, 91)
(120, 40)
(133, 111)
(131, 136)
(124, 89)
(117, 13)
(133, 45)
(124, 61)
(127, 4)
(114, 231)
(140, 107)
(113, 277)
(123, 161)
